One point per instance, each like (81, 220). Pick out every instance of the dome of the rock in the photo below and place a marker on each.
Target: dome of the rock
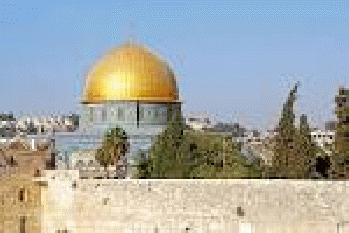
(130, 72)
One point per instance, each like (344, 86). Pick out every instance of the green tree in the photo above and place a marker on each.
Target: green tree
(194, 154)
(284, 162)
(293, 147)
(169, 157)
(114, 147)
(306, 149)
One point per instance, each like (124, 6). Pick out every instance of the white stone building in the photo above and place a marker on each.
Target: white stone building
(199, 121)
(324, 138)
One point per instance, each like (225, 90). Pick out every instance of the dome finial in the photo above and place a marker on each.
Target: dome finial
(132, 35)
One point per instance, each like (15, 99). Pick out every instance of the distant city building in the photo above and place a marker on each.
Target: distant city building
(198, 121)
(303, 120)
(235, 129)
(251, 136)
(330, 125)
(7, 125)
(255, 133)
(324, 139)
(7, 117)
(35, 131)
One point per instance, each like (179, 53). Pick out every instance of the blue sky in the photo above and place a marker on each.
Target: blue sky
(236, 58)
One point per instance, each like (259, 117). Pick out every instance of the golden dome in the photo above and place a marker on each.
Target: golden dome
(130, 72)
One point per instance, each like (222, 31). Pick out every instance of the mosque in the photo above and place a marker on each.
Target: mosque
(129, 87)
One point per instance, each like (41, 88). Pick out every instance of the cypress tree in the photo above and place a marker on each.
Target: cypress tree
(284, 148)
(306, 149)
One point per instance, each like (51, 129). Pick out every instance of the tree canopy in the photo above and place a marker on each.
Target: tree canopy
(293, 146)
(113, 148)
(181, 152)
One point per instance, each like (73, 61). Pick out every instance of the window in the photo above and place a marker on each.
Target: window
(91, 114)
(145, 113)
(113, 113)
(240, 211)
(121, 114)
(13, 162)
(157, 113)
(22, 195)
(37, 173)
(104, 114)
(160, 115)
(62, 231)
(141, 113)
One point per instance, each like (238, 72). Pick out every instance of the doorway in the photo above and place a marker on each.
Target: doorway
(22, 224)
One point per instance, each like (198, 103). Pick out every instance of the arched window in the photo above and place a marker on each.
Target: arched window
(104, 114)
(91, 114)
(160, 115)
(149, 113)
(37, 173)
(141, 113)
(112, 112)
(121, 114)
(157, 113)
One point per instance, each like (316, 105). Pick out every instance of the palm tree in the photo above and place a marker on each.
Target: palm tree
(114, 147)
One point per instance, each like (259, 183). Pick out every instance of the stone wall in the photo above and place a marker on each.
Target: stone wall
(19, 199)
(20, 196)
(198, 205)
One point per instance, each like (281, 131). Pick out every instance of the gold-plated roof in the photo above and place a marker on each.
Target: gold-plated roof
(130, 72)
